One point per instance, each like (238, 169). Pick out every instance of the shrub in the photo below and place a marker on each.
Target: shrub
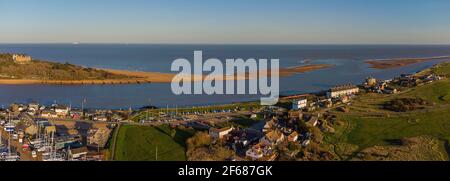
(405, 104)
(198, 140)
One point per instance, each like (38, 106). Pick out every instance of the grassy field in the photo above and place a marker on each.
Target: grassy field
(140, 143)
(375, 131)
(443, 69)
(368, 125)
(201, 109)
(242, 121)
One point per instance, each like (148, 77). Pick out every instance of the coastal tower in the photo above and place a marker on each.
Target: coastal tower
(21, 58)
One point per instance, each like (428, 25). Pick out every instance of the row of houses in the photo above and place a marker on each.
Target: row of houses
(338, 94)
(264, 149)
(382, 87)
(342, 90)
(63, 111)
(411, 80)
(404, 80)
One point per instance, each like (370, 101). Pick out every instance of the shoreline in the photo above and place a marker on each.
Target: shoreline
(401, 62)
(139, 77)
(152, 77)
(287, 96)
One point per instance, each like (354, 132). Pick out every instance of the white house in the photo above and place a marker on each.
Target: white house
(299, 103)
(342, 90)
(62, 110)
(49, 114)
(100, 118)
(78, 153)
(219, 133)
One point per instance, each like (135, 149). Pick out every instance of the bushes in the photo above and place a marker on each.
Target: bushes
(200, 148)
(405, 104)
(198, 140)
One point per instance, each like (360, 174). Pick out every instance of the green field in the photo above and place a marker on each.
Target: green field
(141, 142)
(442, 69)
(368, 125)
(376, 131)
(202, 109)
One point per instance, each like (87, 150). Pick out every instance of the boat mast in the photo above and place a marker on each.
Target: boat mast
(53, 150)
(1, 138)
(9, 136)
(9, 145)
(39, 134)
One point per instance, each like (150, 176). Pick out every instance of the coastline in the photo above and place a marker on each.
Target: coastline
(139, 77)
(151, 77)
(400, 62)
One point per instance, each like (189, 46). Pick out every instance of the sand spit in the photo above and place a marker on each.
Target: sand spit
(154, 77)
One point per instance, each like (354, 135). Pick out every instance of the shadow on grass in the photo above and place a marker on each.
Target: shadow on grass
(447, 148)
(396, 142)
(180, 136)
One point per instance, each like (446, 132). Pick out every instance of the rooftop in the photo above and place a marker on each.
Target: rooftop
(343, 87)
(220, 129)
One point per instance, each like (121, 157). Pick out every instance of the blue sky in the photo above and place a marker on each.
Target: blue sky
(231, 21)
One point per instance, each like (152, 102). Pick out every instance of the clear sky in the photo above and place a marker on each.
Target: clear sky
(230, 21)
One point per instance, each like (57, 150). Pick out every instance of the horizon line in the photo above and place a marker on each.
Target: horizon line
(149, 43)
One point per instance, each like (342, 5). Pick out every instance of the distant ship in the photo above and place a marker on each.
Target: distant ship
(305, 61)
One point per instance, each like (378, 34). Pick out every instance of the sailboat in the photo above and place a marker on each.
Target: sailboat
(10, 156)
(38, 141)
(52, 154)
